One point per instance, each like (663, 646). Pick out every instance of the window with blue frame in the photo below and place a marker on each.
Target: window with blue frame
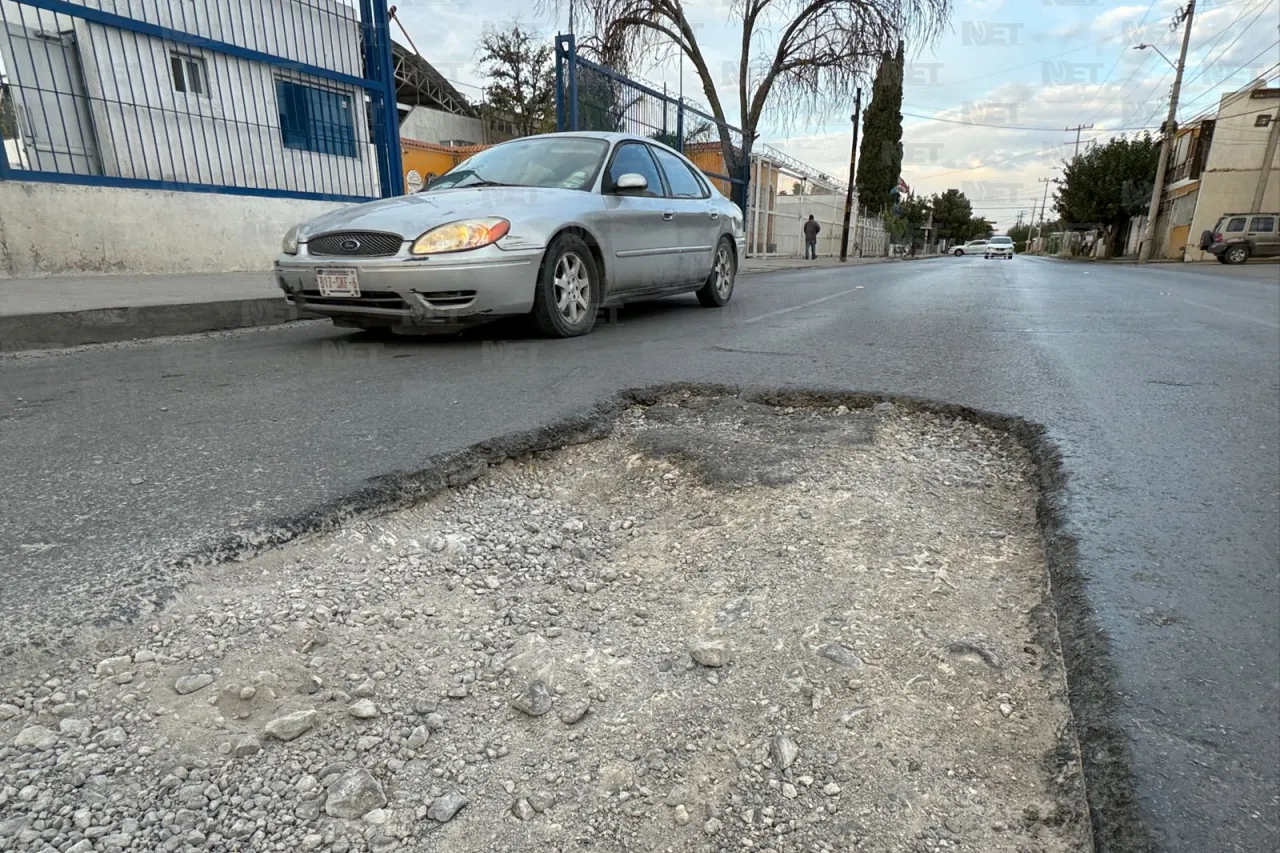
(315, 119)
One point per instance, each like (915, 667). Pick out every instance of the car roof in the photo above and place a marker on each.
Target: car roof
(607, 136)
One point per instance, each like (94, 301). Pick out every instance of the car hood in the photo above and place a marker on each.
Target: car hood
(412, 215)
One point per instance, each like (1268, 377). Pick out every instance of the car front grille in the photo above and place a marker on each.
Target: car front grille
(384, 299)
(367, 244)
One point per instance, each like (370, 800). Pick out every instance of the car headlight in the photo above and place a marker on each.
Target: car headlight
(461, 236)
(290, 244)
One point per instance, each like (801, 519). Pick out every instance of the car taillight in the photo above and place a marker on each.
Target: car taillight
(1217, 238)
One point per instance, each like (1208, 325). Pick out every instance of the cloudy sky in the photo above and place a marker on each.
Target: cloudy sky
(987, 105)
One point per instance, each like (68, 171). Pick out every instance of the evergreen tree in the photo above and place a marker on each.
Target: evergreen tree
(880, 158)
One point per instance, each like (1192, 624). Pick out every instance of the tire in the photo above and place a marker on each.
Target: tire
(1235, 255)
(718, 289)
(1220, 259)
(568, 292)
(958, 252)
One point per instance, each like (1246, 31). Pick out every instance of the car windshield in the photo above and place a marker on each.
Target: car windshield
(558, 162)
(1000, 241)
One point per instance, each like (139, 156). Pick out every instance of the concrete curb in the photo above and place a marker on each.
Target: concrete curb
(58, 330)
(858, 262)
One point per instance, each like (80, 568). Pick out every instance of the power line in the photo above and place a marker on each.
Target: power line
(1227, 49)
(1012, 126)
(1268, 71)
(1116, 65)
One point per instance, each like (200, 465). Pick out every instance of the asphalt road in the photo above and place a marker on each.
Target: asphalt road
(1161, 385)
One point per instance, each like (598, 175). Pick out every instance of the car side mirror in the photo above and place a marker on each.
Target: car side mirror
(631, 182)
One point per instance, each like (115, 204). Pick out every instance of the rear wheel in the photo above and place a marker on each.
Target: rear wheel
(568, 292)
(958, 252)
(718, 290)
(1236, 255)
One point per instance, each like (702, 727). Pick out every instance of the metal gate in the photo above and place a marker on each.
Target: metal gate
(590, 96)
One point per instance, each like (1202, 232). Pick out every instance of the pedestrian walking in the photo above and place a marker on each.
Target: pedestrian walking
(811, 229)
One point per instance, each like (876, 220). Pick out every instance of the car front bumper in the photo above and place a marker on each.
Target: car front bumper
(434, 291)
(993, 253)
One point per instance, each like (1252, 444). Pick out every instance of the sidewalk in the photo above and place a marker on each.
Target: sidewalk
(752, 266)
(67, 311)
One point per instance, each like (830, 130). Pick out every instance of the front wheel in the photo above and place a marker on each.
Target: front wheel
(1236, 255)
(958, 252)
(718, 290)
(568, 292)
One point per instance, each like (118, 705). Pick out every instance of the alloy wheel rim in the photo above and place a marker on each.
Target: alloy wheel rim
(724, 272)
(573, 288)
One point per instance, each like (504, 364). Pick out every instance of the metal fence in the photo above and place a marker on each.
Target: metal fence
(257, 97)
(785, 193)
(590, 96)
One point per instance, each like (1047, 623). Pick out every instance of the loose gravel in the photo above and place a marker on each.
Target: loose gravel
(727, 626)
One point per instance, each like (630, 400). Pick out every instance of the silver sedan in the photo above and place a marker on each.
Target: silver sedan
(553, 226)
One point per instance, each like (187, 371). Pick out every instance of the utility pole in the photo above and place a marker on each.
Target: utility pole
(1265, 175)
(1170, 127)
(1077, 129)
(1043, 202)
(853, 176)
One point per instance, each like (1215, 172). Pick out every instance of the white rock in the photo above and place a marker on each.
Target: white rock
(831, 789)
(8, 712)
(292, 725)
(37, 738)
(354, 794)
(114, 666)
(364, 709)
(75, 728)
(712, 653)
(417, 738)
(188, 684)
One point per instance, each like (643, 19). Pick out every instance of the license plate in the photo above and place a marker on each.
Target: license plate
(338, 283)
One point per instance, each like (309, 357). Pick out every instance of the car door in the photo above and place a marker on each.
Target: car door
(640, 229)
(697, 219)
(1262, 233)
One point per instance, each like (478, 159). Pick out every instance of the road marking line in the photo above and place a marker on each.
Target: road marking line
(1259, 320)
(802, 305)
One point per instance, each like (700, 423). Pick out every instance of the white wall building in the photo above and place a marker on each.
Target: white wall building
(101, 101)
(1234, 165)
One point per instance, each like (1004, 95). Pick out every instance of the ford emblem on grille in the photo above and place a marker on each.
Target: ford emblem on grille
(350, 245)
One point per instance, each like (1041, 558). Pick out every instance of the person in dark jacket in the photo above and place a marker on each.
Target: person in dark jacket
(811, 229)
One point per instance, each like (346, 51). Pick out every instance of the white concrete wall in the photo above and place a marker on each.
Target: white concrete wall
(145, 129)
(424, 124)
(1234, 168)
(60, 229)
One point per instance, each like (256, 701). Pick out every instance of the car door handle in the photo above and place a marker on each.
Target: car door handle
(668, 215)
(713, 214)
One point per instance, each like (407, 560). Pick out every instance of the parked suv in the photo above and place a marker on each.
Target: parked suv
(1240, 236)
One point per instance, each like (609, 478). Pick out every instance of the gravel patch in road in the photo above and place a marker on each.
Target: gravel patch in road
(727, 626)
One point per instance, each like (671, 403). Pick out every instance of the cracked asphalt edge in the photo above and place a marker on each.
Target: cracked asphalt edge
(1103, 745)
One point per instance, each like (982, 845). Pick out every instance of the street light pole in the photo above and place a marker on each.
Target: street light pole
(1170, 127)
(1043, 203)
(853, 176)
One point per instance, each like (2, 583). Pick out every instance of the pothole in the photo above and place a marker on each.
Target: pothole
(726, 625)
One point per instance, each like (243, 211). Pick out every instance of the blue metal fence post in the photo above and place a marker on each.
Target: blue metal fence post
(380, 67)
(680, 125)
(4, 160)
(573, 81)
(560, 60)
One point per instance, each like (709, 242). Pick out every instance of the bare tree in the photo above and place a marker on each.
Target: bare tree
(521, 78)
(795, 55)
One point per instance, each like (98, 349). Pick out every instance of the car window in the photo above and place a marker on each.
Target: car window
(1236, 224)
(680, 179)
(1000, 241)
(633, 158)
(570, 163)
(1263, 224)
